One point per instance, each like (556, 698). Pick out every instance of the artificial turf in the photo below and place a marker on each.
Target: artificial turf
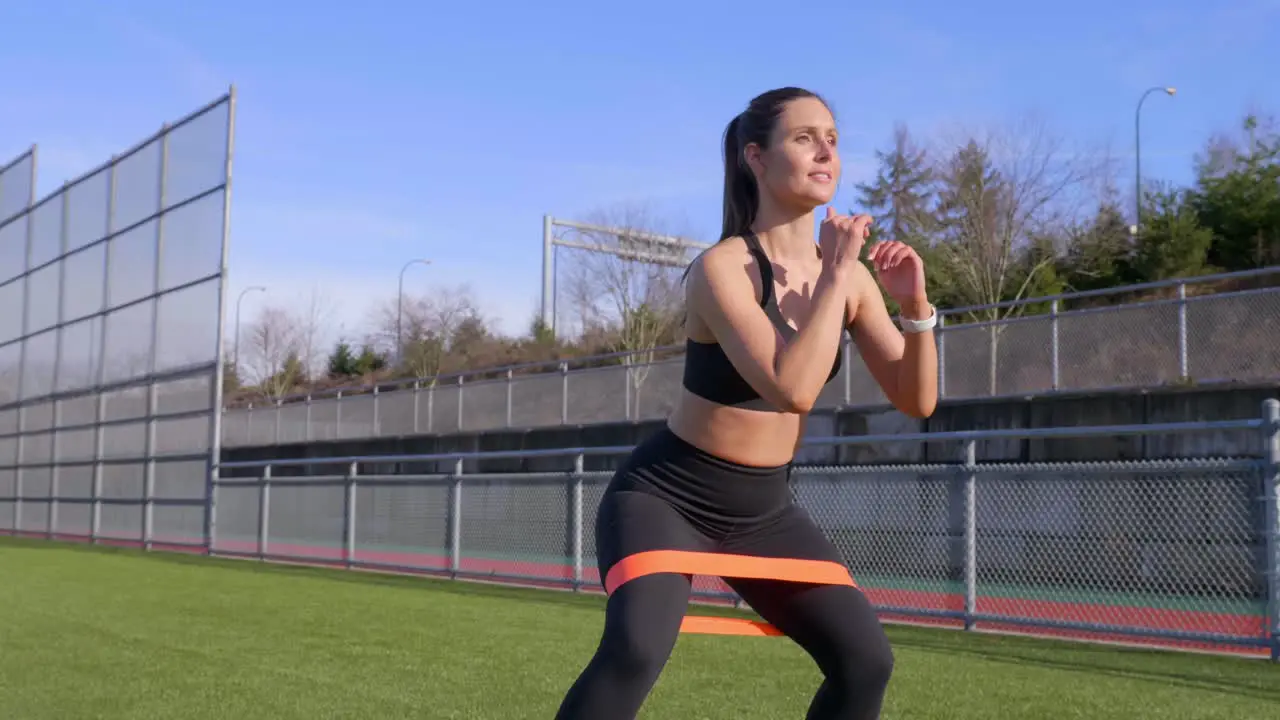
(90, 632)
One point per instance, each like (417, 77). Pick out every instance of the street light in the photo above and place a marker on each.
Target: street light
(400, 305)
(236, 360)
(1137, 151)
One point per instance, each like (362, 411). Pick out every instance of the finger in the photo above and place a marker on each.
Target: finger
(862, 226)
(884, 254)
(903, 253)
(831, 212)
(890, 251)
(899, 251)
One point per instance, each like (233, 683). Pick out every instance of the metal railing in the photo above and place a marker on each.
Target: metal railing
(1183, 553)
(1144, 344)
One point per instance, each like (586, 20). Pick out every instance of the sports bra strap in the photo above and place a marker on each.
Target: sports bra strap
(768, 301)
(766, 266)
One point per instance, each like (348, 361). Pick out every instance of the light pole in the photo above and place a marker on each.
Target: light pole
(236, 360)
(400, 305)
(1137, 152)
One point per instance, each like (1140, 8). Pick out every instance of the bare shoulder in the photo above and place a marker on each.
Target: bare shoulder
(719, 258)
(723, 265)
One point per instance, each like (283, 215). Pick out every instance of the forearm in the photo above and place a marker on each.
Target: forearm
(917, 371)
(805, 362)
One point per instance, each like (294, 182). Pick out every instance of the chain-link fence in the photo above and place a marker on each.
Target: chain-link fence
(1181, 553)
(110, 338)
(1158, 341)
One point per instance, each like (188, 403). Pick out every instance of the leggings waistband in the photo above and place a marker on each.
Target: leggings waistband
(714, 493)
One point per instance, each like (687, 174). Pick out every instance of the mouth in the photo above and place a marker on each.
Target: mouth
(820, 176)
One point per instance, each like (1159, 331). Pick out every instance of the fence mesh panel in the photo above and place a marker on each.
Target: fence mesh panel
(111, 289)
(1153, 548)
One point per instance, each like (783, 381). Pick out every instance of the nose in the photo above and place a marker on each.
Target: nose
(826, 150)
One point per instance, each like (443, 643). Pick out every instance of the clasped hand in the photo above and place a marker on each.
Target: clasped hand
(898, 268)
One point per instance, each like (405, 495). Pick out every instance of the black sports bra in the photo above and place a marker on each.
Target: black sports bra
(708, 372)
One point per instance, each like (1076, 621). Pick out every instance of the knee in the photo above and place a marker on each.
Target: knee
(634, 653)
(861, 664)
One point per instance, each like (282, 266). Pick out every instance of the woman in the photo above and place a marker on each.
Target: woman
(766, 312)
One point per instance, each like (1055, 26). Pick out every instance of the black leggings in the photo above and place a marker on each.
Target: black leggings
(671, 495)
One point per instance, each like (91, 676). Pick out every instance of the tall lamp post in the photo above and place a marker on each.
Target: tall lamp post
(236, 351)
(400, 306)
(1137, 152)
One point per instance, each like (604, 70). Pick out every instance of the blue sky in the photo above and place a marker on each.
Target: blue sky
(372, 133)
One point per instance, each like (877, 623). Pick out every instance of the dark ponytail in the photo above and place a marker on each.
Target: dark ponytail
(752, 126)
(741, 201)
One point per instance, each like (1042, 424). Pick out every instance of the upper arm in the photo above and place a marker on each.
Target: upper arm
(879, 341)
(724, 298)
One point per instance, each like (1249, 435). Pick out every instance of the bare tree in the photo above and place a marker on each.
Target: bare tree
(314, 329)
(428, 325)
(1004, 198)
(628, 279)
(274, 351)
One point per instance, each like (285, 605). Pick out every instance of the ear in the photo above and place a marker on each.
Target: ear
(755, 158)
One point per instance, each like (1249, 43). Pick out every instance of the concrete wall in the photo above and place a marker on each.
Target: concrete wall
(1061, 410)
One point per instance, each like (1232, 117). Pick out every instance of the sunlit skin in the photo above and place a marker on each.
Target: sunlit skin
(817, 287)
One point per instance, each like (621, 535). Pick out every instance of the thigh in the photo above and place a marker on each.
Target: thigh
(831, 622)
(635, 521)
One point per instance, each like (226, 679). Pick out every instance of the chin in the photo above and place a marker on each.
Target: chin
(813, 195)
(807, 196)
(814, 200)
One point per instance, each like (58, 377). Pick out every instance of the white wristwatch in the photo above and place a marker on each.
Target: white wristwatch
(919, 326)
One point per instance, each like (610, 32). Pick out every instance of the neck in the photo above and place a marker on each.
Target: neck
(786, 235)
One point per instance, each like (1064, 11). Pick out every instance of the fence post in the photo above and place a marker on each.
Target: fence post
(264, 513)
(626, 388)
(455, 522)
(1054, 346)
(508, 397)
(579, 462)
(1271, 498)
(214, 470)
(337, 416)
(349, 517)
(377, 426)
(431, 404)
(847, 366)
(564, 393)
(1184, 369)
(459, 403)
(940, 331)
(417, 391)
(970, 533)
(306, 431)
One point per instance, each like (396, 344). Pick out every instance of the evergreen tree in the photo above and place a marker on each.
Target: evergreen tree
(1238, 199)
(901, 197)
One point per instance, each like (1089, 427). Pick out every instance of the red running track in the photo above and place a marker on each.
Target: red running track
(552, 575)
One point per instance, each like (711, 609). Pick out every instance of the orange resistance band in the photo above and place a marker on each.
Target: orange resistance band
(818, 572)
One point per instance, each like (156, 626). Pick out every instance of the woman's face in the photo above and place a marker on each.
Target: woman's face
(802, 164)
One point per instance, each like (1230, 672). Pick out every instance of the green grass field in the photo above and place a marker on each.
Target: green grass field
(112, 634)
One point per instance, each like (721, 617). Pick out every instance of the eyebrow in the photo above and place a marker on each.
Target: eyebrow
(814, 128)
